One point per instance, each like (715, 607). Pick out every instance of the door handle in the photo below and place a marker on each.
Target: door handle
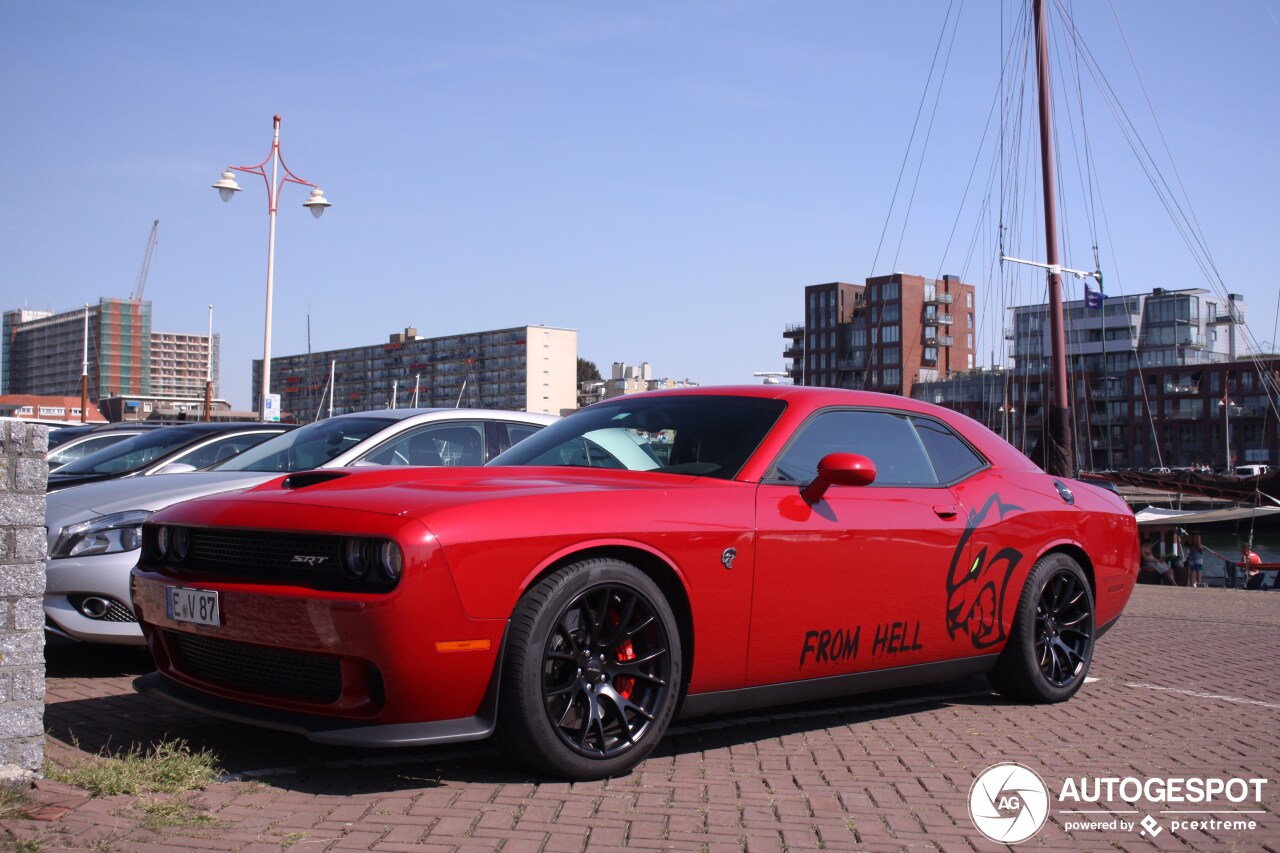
(943, 511)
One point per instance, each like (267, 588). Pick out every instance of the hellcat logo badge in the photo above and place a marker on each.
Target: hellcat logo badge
(727, 558)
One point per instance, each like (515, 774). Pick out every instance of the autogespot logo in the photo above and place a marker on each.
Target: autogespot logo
(1008, 802)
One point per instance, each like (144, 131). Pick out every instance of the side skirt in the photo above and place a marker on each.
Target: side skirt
(729, 701)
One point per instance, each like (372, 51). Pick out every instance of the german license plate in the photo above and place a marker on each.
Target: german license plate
(198, 606)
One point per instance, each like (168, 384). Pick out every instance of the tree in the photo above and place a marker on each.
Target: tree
(587, 371)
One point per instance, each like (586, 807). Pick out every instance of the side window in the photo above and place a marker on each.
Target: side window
(84, 448)
(224, 448)
(953, 460)
(519, 432)
(452, 443)
(888, 440)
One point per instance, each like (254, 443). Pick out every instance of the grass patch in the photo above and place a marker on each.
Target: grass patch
(182, 812)
(15, 800)
(170, 767)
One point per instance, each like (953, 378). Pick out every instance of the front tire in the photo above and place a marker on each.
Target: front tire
(1051, 644)
(592, 671)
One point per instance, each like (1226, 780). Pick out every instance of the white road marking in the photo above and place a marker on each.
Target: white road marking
(1220, 697)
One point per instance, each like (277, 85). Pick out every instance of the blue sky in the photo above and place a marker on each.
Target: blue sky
(663, 177)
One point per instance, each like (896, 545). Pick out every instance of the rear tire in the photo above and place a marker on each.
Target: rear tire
(1051, 644)
(592, 671)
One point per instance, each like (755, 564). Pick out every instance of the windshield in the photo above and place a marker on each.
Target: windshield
(134, 452)
(306, 447)
(712, 436)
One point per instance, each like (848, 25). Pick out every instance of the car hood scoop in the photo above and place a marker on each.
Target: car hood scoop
(303, 479)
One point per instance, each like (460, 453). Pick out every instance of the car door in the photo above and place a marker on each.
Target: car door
(857, 581)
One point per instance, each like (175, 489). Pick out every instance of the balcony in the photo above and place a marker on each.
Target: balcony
(794, 351)
(932, 319)
(793, 330)
(1182, 388)
(938, 298)
(945, 340)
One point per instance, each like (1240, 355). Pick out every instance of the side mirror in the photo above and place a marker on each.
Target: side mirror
(842, 469)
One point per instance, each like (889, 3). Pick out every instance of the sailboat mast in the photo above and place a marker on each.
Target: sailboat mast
(1059, 454)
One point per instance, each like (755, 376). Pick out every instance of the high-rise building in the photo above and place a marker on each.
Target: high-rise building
(886, 335)
(180, 363)
(44, 353)
(526, 368)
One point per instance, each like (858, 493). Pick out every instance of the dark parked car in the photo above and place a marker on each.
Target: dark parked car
(69, 443)
(167, 450)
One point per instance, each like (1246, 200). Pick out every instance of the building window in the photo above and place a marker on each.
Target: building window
(968, 299)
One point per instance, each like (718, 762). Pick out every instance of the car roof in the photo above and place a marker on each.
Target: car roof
(216, 427)
(451, 414)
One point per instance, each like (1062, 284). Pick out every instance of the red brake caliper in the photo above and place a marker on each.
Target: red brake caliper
(624, 684)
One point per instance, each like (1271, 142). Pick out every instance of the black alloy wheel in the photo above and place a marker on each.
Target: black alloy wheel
(1064, 628)
(607, 668)
(592, 671)
(1050, 645)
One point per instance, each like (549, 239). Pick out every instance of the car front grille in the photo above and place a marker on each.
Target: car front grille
(255, 669)
(314, 561)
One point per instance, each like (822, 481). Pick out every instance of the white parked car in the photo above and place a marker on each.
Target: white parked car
(95, 529)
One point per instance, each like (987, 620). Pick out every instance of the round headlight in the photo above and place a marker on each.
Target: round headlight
(162, 541)
(181, 543)
(130, 538)
(355, 561)
(390, 559)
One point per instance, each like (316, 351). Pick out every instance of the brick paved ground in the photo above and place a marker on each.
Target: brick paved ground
(1186, 686)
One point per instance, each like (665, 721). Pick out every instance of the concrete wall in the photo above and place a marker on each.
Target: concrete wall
(23, 472)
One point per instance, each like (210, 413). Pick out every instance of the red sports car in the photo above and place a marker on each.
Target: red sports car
(686, 552)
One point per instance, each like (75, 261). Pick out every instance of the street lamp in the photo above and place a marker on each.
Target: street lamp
(227, 188)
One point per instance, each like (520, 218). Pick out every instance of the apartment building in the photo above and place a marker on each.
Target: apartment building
(44, 353)
(1155, 380)
(525, 368)
(885, 335)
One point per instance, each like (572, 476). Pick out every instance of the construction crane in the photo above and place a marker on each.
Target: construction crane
(146, 261)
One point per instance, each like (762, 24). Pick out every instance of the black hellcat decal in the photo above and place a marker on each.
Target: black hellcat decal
(976, 588)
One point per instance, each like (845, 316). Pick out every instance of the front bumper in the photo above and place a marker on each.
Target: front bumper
(368, 668)
(325, 729)
(70, 581)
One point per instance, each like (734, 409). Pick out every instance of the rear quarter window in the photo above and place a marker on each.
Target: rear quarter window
(953, 459)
